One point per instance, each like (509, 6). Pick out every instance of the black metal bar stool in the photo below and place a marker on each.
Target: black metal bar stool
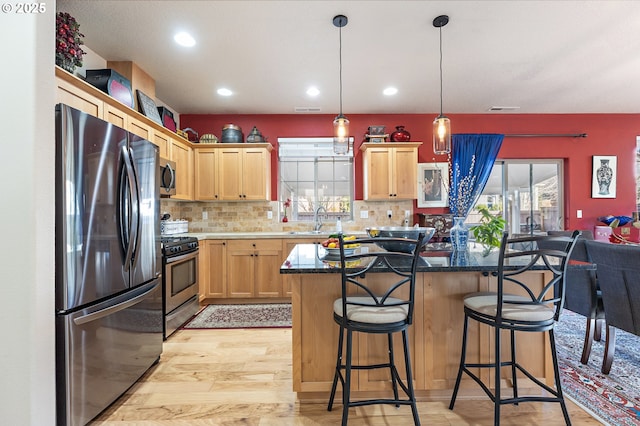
(516, 307)
(370, 312)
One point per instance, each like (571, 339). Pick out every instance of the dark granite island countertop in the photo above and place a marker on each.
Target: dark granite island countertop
(314, 259)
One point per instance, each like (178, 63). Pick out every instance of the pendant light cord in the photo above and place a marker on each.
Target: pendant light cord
(340, 52)
(440, 70)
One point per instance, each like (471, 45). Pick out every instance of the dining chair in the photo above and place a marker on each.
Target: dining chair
(582, 293)
(518, 307)
(361, 309)
(618, 270)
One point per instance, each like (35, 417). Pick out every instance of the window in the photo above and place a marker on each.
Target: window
(528, 194)
(312, 176)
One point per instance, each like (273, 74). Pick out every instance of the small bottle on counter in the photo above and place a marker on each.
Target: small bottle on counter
(338, 226)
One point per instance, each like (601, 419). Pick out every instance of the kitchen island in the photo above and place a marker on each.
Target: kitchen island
(435, 336)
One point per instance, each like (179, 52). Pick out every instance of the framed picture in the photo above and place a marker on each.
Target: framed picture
(603, 181)
(148, 107)
(432, 184)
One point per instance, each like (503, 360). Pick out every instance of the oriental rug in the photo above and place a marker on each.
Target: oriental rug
(265, 315)
(614, 398)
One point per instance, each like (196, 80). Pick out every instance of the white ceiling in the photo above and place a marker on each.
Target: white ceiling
(541, 56)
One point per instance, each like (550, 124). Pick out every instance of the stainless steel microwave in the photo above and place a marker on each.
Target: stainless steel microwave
(167, 171)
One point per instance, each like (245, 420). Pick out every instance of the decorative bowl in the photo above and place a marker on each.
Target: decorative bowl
(407, 232)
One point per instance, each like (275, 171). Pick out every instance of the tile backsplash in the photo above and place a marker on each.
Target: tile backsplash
(253, 216)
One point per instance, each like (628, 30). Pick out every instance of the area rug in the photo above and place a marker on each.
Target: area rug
(266, 315)
(615, 397)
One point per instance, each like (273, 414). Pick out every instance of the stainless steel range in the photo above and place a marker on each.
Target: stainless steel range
(179, 281)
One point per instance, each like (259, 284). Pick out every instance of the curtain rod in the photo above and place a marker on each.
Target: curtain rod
(547, 135)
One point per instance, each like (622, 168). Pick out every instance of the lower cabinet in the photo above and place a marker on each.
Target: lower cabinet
(253, 268)
(212, 276)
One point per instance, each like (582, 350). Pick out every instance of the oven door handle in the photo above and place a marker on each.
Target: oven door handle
(182, 257)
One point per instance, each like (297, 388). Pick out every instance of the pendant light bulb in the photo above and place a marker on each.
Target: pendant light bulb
(340, 123)
(442, 124)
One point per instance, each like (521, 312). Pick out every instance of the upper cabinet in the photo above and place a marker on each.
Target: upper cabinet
(390, 170)
(182, 154)
(233, 172)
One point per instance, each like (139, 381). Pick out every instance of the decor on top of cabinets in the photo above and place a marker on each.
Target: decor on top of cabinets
(432, 184)
(231, 133)
(376, 134)
(604, 176)
(400, 135)
(208, 138)
(68, 42)
(112, 83)
(255, 136)
(148, 107)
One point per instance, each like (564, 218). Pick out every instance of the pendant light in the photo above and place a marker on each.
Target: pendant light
(442, 124)
(340, 123)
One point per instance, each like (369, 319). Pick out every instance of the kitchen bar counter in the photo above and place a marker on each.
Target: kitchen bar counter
(435, 336)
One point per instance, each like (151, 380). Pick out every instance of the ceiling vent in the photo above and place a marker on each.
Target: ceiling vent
(307, 109)
(504, 108)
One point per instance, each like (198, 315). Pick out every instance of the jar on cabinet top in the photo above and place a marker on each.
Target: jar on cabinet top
(400, 135)
(231, 133)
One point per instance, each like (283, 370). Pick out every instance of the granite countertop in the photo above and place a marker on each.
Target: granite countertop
(258, 235)
(313, 258)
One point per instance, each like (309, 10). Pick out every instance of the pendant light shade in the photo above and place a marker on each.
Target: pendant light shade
(442, 124)
(340, 123)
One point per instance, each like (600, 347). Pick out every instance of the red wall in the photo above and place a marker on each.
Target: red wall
(608, 134)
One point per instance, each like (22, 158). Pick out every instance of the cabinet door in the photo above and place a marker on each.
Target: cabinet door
(405, 162)
(378, 174)
(230, 163)
(183, 157)
(256, 174)
(240, 268)
(215, 285)
(115, 116)
(205, 173)
(68, 94)
(268, 281)
(140, 128)
(163, 142)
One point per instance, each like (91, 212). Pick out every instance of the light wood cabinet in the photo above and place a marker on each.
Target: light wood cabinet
(253, 268)
(140, 128)
(213, 277)
(164, 142)
(390, 170)
(233, 172)
(67, 93)
(206, 180)
(182, 155)
(245, 173)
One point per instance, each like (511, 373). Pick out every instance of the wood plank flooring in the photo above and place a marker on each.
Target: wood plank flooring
(243, 377)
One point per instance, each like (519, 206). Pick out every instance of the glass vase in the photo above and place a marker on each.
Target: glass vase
(459, 234)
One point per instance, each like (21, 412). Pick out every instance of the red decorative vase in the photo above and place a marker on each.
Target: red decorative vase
(285, 219)
(400, 135)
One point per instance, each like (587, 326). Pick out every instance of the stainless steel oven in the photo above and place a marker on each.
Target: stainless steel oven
(180, 281)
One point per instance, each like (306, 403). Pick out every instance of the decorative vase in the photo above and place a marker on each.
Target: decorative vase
(459, 258)
(285, 218)
(400, 135)
(604, 175)
(459, 234)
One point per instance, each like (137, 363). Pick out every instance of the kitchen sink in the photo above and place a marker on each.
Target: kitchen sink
(308, 233)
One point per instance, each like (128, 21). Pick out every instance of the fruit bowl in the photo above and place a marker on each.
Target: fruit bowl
(406, 232)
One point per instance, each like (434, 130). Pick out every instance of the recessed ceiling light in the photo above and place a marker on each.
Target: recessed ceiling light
(313, 91)
(390, 91)
(184, 39)
(224, 92)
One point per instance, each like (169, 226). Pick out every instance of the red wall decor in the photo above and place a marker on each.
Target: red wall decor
(607, 134)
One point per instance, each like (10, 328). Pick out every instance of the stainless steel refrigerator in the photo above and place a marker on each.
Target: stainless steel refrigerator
(108, 263)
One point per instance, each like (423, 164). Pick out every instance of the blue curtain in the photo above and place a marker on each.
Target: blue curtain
(472, 158)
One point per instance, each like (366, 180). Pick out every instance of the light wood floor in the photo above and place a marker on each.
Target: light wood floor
(243, 377)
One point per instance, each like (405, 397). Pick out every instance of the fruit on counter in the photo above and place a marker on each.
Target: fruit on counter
(334, 242)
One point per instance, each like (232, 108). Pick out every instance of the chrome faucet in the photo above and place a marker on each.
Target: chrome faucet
(317, 220)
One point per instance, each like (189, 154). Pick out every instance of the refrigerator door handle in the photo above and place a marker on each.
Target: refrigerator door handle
(112, 309)
(135, 227)
(130, 218)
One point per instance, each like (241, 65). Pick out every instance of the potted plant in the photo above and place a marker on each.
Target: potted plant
(489, 231)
